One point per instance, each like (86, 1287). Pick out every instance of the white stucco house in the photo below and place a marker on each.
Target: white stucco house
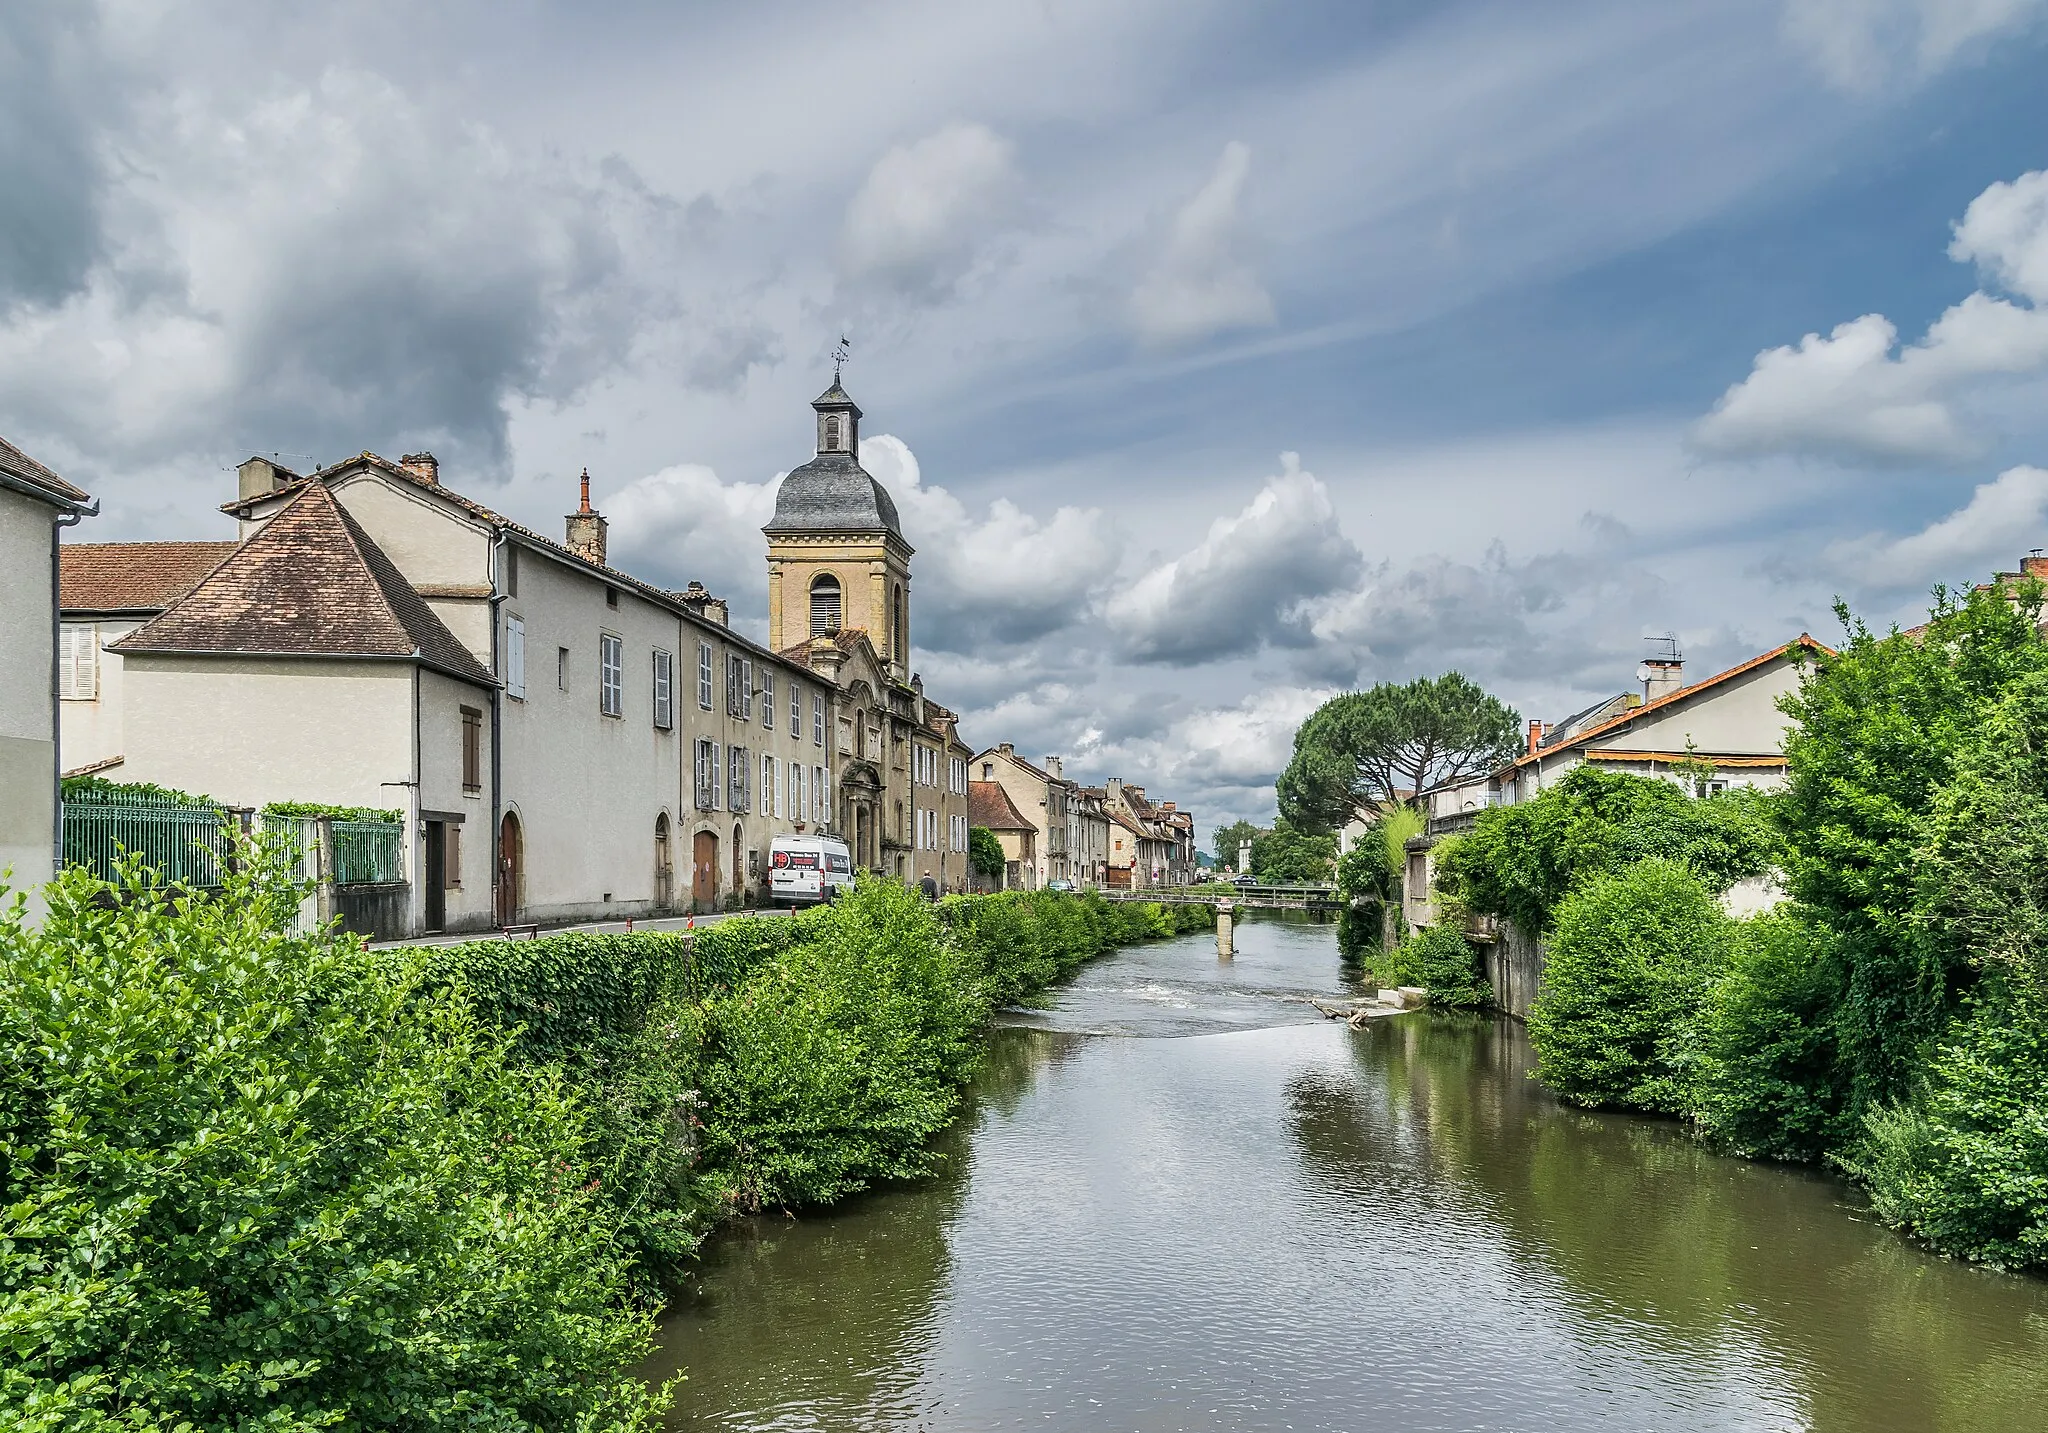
(35, 506)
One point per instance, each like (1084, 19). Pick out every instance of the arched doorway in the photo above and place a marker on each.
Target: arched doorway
(511, 869)
(704, 871)
(664, 866)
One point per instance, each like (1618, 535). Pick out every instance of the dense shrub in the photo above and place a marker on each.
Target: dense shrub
(257, 1180)
(1770, 1085)
(1629, 965)
(1446, 964)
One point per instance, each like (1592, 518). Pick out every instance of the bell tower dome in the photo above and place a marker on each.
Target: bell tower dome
(837, 560)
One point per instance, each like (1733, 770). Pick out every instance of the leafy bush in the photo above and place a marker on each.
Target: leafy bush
(281, 809)
(985, 853)
(1288, 856)
(1520, 861)
(1629, 967)
(99, 788)
(1770, 1084)
(1964, 1163)
(254, 1179)
(1448, 967)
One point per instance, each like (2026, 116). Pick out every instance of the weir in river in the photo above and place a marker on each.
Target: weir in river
(1182, 1200)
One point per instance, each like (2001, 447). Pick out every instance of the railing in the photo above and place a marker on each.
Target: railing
(368, 853)
(187, 843)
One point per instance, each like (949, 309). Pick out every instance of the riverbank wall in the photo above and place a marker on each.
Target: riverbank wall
(1514, 962)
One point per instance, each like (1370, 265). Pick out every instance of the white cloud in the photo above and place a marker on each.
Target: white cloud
(1203, 283)
(1863, 44)
(920, 219)
(1247, 583)
(1980, 537)
(1856, 394)
(683, 524)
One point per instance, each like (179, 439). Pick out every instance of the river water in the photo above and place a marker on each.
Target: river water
(1183, 1200)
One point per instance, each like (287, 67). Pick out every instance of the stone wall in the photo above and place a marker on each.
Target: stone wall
(1514, 968)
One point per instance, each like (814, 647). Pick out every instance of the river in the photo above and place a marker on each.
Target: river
(1181, 1200)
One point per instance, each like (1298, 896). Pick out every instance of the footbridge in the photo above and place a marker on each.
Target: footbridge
(1229, 898)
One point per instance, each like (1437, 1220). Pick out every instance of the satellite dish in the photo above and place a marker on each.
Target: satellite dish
(1643, 672)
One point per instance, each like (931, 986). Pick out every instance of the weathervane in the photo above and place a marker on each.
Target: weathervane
(841, 351)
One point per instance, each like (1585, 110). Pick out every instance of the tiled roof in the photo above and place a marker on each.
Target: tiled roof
(1670, 699)
(22, 466)
(989, 805)
(311, 583)
(133, 576)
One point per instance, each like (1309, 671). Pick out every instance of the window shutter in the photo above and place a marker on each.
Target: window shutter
(78, 662)
(515, 656)
(747, 688)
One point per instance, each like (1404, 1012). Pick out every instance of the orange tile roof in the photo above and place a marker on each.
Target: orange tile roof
(1803, 640)
(989, 805)
(133, 576)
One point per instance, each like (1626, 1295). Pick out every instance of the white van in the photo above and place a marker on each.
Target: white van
(803, 870)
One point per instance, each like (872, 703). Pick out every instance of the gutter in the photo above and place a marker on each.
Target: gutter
(67, 516)
(499, 596)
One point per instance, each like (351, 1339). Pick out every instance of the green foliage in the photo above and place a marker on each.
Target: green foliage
(1964, 1163)
(1629, 966)
(1447, 965)
(1520, 861)
(1230, 840)
(1770, 1084)
(98, 788)
(985, 853)
(1374, 868)
(261, 1180)
(1286, 856)
(282, 809)
(1363, 750)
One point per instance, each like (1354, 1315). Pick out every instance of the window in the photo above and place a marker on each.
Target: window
(704, 675)
(747, 689)
(817, 719)
(832, 434)
(796, 793)
(796, 711)
(988, 771)
(768, 802)
(739, 775)
(739, 687)
(611, 682)
(515, 653)
(562, 669)
(768, 699)
(825, 604)
(78, 662)
(708, 776)
(472, 749)
(664, 690)
(611, 596)
(511, 571)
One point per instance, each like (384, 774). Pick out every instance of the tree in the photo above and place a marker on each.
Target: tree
(1366, 749)
(985, 853)
(1229, 838)
(1284, 855)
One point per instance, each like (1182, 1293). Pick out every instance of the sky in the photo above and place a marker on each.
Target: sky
(1220, 357)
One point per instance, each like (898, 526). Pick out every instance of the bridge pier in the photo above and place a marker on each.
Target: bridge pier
(1226, 944)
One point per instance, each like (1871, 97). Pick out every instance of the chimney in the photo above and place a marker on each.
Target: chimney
(701, 602)
(587, 528)
(1052, 764)
(423, 466)
(2034, 565)
(1661, 677)
(825, 658)
(1007, 748)
(1535, 735)
(257, 475)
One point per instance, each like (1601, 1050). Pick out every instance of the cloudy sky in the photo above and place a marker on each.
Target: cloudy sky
(1220, 356)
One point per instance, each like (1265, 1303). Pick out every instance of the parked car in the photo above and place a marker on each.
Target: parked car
(1245, 878)
(1059, 883)
(804, 870)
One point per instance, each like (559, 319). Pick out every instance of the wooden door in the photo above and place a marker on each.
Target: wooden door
(704, 871)
(664, 868)
(437, 876)
(508, 870)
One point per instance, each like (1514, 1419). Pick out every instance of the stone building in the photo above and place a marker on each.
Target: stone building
(1045, 798)
(990, 806)
(35, 506)
(839, 604)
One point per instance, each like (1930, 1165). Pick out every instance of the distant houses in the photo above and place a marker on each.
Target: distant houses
(562, 740)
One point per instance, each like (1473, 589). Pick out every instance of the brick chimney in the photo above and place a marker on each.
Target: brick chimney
(587, 528)
(2034, 565)
(701, 602)
(424, 466)
(1535, 735)
(1006, 748)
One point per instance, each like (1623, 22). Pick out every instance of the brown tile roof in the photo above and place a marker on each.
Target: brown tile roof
(133, 576)
(311, 583)
(989, 805)
(1802, 641)
(22, 466)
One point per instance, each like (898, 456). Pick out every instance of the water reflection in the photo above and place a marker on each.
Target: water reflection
(1288, 1224)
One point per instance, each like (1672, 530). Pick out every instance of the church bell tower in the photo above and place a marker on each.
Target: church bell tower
(837, 560)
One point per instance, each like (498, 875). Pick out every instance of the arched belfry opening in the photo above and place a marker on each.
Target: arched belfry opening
(828, 608)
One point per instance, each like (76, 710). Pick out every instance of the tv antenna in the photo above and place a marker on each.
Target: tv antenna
(1670, 652)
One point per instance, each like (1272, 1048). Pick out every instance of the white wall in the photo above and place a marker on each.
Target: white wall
(1737, 717)
(28, 740)
(92, 729)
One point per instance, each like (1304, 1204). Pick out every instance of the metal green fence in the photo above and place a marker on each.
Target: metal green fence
(368, 853)
(186, 843)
